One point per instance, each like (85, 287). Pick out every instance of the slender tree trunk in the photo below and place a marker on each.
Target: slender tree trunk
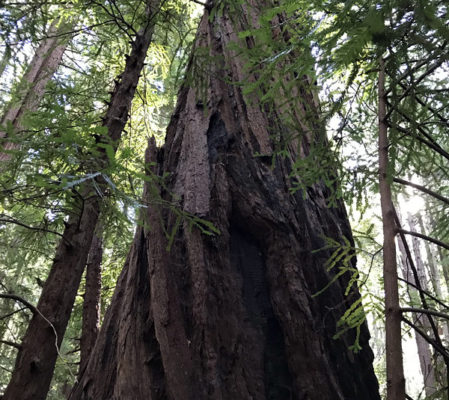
(36, 359)
(31, 90)
(6, 56)
(424, 352)
(433, 272)
(92, 298)
(230, 315)
(442, 255)
(393, 344)
(425, 355)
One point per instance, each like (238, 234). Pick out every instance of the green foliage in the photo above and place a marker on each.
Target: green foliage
(342, 262)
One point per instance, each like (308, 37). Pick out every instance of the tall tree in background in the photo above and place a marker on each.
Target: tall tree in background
(216, 297)
(92, 299)
(423, 347)
(31, 89)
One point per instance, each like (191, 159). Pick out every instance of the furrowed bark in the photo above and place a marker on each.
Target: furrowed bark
(230, 315)
(393, 344)
(35, 362)
(92, 298)
(44, 64)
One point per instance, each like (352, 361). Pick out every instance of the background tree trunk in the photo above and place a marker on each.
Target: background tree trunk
(423, 347)
(36, 359)
(229, 316)
(434, 273)
(44, 64)
(92, 298)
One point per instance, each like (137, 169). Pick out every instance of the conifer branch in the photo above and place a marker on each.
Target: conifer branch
(437, 346)
(425, 237)
(424, 311)
(422, 189)
(12, 344)
(20, 300)
(425, 292)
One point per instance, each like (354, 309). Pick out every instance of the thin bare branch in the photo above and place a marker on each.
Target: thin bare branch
(20, 300)
(439, 348)
(425, 237)
(424, 311)
(12, 344)
(422, 189)
(425, 292)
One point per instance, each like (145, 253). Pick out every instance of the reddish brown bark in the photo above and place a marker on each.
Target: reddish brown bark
(92, 298)
(393, 343)
(229, 316)
(36, 359)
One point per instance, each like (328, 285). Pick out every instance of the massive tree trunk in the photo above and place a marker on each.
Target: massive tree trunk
(229, 315)
(36, 359)
(44, 64)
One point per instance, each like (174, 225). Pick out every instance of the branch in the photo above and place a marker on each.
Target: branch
(12, 344)
(20, 300)
(427, 106)
(422, 189)
(425, 292)
(440, 349)
(424, 311)
(418, 283)
(426, 73)
(199, 2)
(429, 142)
(12, 313)
(425, 237)
(33, 228)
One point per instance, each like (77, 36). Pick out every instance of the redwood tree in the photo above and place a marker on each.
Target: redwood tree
(231, 315)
